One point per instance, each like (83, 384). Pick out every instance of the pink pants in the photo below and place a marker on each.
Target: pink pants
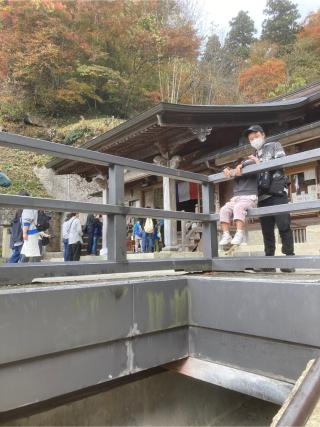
(237, 208)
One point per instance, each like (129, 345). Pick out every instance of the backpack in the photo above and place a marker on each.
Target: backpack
(4, 180)
(43, 223)
(148, 226)
(272, 182)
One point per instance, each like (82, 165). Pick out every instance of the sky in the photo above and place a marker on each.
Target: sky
(220, 12)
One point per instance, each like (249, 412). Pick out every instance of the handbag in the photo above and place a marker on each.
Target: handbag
(45, 240)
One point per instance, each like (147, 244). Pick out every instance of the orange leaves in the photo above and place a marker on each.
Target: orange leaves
(311, 28)
(257, 81)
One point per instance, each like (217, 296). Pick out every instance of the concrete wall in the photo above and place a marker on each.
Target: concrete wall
(59, 339)
(165, 399)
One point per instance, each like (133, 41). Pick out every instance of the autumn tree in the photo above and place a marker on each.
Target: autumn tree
(257, 81)
(80, 56)
(303, 63)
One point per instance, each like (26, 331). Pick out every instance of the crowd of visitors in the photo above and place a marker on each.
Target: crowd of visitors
(148, 235)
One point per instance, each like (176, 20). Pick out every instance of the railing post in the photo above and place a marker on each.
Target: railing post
(117, 227)
(105, 199)
(209, 234)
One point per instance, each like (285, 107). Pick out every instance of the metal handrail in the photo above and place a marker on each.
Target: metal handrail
(281, 162)
(304, 400)
(94, 157)
(117, 212)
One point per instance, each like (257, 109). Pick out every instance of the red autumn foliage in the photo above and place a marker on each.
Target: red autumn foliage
(257, 81)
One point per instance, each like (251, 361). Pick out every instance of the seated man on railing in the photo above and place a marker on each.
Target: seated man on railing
(273, 190)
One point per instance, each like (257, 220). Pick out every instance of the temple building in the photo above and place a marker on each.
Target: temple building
(206, 139)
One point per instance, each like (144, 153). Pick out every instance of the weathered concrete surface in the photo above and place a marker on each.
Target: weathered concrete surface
(60, 339)
(66, 338)
(260, 324)
(255, 385)
(166, 399)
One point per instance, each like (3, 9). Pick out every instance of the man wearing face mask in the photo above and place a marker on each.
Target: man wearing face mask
(273, 190)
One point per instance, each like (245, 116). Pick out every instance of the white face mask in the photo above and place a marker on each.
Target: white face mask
(257, 143)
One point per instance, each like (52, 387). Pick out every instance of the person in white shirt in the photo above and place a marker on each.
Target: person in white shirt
(65, 237)
(74, 233)
(31, 235)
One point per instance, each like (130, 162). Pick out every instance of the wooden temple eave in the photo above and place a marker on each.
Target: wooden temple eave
(183, 129)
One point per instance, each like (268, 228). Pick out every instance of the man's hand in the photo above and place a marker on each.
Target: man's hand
(227, 172)
(255, 159)
(25, 236)
(238, 170)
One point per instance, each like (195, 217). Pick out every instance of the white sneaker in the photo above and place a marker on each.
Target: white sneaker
(238, 238)
(226, 239)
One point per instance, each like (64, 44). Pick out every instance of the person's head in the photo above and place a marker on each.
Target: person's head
(68, 216)
(256, 136)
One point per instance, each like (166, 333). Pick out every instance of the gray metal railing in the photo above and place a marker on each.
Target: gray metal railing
(303, 401)
(116, 213)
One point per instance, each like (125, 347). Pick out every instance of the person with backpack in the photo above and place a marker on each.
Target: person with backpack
(272, 190)
(149, 230)
(137, 235)
(15, 231)
(35, 224)
(31, 235)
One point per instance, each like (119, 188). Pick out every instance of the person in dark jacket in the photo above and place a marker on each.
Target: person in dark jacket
(97, 233)
(88, 230)
(16, 235)
(16, 239)
(273, 190)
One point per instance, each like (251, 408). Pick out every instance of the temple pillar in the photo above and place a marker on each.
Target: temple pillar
(102, 181)
(170, 204)
(169, 200)
(104, 219)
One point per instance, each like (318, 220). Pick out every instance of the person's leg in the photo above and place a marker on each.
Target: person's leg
(267, 228)
(148, 248)
(77, 251)
(269, 240)
(65, 249)
(156, 245)
(90, 242)
(151, 242)
(240, 209)
(71, 252)
(226, 213)
(94, 245)
(15, 257)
